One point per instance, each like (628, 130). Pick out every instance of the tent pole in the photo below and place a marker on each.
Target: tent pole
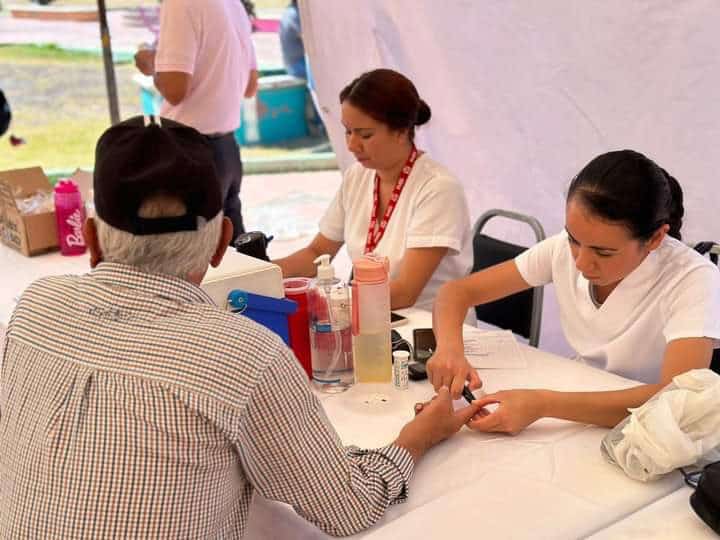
(110, 82)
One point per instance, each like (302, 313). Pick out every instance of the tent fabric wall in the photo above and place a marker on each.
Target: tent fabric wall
(523, 94)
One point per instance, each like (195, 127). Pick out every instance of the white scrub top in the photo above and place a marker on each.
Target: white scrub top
(673, 294)
(431, 212)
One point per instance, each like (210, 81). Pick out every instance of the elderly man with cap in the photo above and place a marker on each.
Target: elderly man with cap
(132, 407)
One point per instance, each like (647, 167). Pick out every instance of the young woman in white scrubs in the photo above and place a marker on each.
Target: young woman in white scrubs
(633, 298)
(395, 201)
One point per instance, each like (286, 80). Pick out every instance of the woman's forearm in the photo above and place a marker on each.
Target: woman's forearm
(298, 264)
(598, 408)
(456, 297)
(302, 262)
(399, 296)
(449, 311)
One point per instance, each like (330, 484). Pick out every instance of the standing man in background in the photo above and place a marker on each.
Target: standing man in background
(203, 65)
(291, 43)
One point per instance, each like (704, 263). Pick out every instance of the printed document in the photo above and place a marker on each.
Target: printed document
(493, 349)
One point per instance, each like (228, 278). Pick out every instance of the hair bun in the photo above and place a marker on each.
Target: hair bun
(423, 114)
(676, 210)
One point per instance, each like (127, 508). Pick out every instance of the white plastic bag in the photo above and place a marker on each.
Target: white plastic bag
(677, 427)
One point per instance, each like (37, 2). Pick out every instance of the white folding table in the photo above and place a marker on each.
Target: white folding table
(550, 481)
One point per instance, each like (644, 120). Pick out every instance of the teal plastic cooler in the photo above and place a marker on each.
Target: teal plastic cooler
(277, 113)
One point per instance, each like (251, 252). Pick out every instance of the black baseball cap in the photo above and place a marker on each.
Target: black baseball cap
(146, 156)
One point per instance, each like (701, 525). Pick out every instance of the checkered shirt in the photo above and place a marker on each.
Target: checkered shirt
(132, 407)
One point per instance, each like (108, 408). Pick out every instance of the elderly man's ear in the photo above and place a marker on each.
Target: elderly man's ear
(91, 241)
(225, 237)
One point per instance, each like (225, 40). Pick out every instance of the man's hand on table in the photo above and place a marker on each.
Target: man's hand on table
(516, 409)
(451, 369)
(434, 422)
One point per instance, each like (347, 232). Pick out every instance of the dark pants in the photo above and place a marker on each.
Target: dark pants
(229, 169)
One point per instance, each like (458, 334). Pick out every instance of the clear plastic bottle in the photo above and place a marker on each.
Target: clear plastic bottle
(330, 338)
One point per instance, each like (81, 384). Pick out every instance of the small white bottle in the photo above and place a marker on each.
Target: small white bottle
(401, 359)
(330, 332)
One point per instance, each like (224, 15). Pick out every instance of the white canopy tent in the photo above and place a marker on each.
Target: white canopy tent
(523, 94)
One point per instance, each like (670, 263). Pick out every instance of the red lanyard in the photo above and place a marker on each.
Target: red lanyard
(373, 236)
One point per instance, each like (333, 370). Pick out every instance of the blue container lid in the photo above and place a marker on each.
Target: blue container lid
(240, 300)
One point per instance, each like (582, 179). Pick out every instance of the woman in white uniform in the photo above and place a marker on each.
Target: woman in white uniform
(395, 201)
(633, 298)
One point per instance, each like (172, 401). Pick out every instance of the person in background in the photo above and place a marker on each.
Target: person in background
(291, 42)
(5, 114)
(133, 407)
(634, 300)
(6, 119)
(396, 201)
(296, 64)
(203, 66)
(249, 6)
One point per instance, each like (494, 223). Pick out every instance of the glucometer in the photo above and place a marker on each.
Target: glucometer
(423, 344)
(417, 371)
(467, 394)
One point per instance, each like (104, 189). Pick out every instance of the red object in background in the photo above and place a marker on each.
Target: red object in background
(16, 141)
(297, 289)
(266, 25)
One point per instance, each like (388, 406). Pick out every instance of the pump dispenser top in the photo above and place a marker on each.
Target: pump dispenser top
(325, 270)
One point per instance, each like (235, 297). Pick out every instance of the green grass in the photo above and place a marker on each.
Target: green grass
(69, 145)
(60, 105)
(54, 145)
(44, 54)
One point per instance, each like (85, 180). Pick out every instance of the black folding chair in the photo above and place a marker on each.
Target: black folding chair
(712, 250)
(521, 312)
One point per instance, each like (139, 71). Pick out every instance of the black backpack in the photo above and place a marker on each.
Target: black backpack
(5, 115)
(705, 500)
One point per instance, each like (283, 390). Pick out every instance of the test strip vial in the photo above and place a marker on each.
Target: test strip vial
(401, 359)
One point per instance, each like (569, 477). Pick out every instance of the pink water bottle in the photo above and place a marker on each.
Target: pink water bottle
(371, 320)
(70, 216)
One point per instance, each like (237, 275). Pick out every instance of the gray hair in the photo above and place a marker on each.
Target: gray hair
(176, 254)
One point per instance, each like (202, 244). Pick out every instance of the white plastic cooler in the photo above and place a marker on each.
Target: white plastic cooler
(238, 271)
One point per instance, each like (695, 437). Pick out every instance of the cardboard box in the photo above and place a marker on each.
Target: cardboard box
(32, 233)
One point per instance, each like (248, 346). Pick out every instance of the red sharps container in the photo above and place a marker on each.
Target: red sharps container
(297, 289)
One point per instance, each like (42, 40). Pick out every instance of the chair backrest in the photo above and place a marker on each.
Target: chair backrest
(521, 312)
(712, 250)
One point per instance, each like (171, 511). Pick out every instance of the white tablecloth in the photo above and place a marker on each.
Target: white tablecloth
(670, 518)
(19, 271)
(548, 482)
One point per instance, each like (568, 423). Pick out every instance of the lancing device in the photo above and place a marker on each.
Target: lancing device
(467, 394)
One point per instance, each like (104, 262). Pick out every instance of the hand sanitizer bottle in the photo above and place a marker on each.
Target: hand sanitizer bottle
(330, 337)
